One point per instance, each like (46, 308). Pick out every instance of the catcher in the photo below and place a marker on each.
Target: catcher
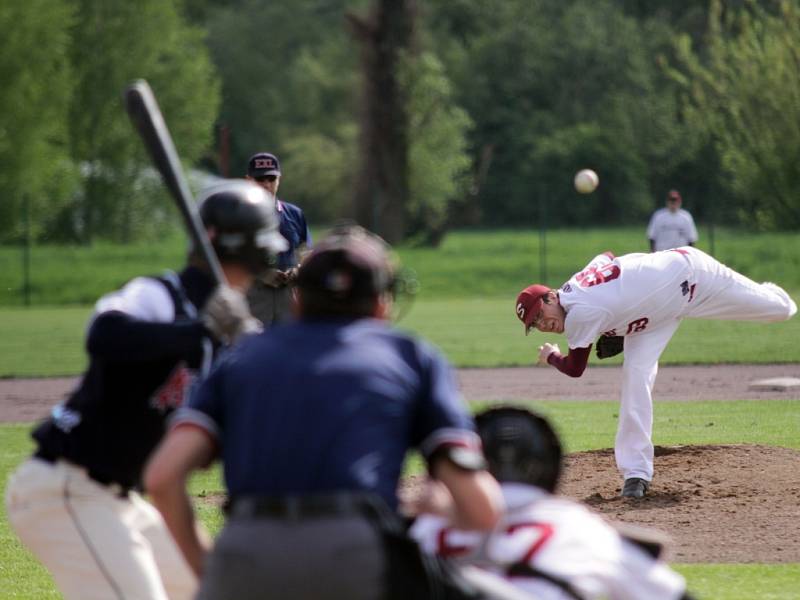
(548, 546)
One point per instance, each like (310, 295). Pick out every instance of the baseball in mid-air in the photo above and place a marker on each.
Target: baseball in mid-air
(586, 181)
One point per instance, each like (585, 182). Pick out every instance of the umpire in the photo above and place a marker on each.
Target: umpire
(312, 420)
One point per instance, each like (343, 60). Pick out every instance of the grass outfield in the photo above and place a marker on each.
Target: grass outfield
(583, 426)
(489, 264)
(471, 332)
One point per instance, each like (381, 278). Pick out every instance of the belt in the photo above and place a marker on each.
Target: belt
(305, 507)
(102, 479)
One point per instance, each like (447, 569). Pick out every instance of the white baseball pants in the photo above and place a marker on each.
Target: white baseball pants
(96, 544)
(718, 293)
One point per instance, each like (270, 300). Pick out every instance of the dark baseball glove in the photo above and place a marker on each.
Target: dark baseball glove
(608, 346)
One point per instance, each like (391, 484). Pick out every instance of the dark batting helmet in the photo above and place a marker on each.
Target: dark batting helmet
(520, 446)
(242, 222)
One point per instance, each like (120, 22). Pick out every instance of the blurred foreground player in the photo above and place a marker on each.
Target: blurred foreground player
(551, 547)
(74, 504)
(312, 420)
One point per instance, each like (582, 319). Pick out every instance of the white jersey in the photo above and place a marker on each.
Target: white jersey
(671, 229)
(561, 539)
(625, 295)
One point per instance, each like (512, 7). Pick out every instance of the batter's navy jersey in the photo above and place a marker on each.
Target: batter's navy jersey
(315, 407)
(294, 228)
(144, 342)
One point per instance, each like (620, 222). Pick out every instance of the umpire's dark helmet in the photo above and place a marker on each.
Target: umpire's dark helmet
(242, 221)
(520, 446)
(345, 273)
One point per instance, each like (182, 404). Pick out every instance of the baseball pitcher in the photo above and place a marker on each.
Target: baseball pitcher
(639, 300)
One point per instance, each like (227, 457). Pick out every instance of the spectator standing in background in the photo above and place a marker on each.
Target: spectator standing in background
(671, 226)
(270, 296)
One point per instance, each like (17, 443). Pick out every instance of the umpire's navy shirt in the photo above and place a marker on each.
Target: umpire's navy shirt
(294, 228)
(320, 406)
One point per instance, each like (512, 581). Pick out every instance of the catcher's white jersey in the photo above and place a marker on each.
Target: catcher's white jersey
(561, 539)
(625, 295)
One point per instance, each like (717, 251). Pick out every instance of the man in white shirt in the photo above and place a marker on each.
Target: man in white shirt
(548, 546)
(672, 226)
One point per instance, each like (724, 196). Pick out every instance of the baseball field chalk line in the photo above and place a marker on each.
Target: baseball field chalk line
(775, 383)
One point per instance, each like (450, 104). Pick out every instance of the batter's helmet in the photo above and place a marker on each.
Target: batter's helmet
(242, 221)
(520, 446)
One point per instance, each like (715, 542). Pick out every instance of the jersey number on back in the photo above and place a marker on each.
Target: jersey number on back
(595, 275)
(524, 540)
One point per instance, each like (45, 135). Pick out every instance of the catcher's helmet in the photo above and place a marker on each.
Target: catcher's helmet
(242, 221)
(520, 446)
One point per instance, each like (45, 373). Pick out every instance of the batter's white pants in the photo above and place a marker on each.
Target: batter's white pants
(719, 293)
(96, 544)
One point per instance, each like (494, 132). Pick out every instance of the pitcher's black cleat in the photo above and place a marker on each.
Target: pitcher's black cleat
(635, 487)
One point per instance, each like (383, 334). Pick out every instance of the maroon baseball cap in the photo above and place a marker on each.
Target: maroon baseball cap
(529, 304)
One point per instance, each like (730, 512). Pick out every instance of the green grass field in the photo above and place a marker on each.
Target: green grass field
(582, 426)
(469, 264)
(471, 332)
(465, 307)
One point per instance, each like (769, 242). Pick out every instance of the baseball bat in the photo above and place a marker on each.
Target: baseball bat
(146, 116)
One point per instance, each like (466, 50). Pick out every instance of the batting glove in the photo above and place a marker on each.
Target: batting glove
(227, 315)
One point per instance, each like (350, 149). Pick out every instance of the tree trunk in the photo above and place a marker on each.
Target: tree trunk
(381, 187)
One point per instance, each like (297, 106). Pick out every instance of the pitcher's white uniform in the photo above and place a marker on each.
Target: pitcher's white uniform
(561, 539)
(643, 297)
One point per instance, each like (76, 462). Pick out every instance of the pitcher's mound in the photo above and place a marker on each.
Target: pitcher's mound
(735, 503)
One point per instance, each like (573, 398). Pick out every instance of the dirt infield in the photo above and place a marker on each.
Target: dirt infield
(736, 503)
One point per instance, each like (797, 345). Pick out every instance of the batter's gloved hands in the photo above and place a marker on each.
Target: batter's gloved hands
(286, 277)
(609, 345)
(546, 350)
(227, 315)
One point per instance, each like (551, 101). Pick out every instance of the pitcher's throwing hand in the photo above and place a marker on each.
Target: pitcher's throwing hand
(545, 350)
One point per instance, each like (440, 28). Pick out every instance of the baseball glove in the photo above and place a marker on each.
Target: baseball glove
(608, 346)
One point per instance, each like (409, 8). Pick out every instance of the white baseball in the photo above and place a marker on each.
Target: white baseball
(586, 181)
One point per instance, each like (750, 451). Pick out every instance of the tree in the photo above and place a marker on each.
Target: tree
(113, 43)
(288, 75)
(381, 191)
(554, 87)
(34, 97)
(438, 159)
(746, 97)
